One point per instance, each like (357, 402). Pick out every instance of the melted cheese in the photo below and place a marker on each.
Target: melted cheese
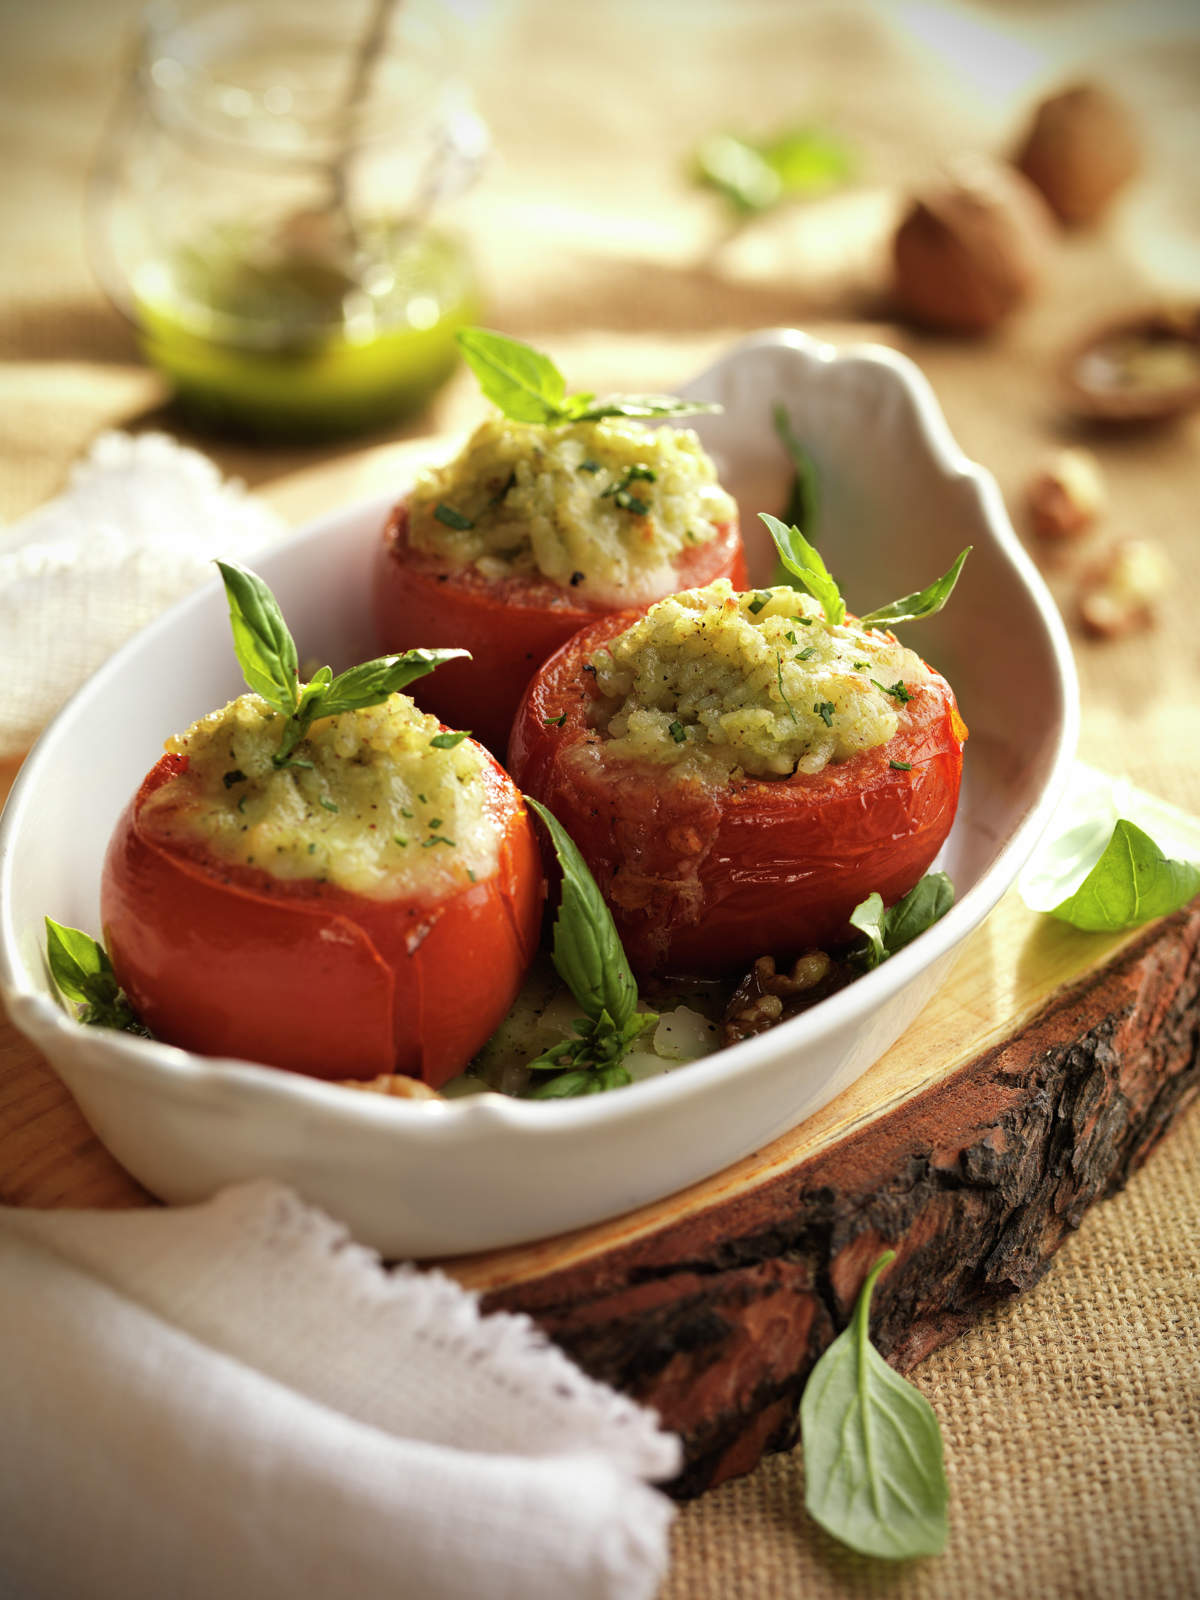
(756, 683)
(367, 803)
(603, 508)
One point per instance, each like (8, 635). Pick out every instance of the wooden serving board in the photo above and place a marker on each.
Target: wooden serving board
(1045, 1070)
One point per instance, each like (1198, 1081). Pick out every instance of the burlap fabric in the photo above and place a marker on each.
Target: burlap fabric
(1072, 1418)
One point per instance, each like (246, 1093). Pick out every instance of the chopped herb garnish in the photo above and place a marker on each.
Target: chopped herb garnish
(403, 843)
(405, 813)
(447, 741)
(760, 600)
(678, 732)
(435, 822)
(230, 778)
(242, 802)
(452, 518)
(630, 502)
(897, 690)
(782, 690)
(791, 637)
(900, 766)
(588, 466)
(470, 875)
(501, 492)
(312, 849)
(328, 804)
(807, 653)
(437, 838)
(825, 709)
(861, 666)
(554, 722)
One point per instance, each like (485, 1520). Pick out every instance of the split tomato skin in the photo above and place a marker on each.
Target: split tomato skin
(229, 961)
(510, 625)
(704, 879)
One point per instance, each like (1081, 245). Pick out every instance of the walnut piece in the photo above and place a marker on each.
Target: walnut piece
(1067, 495)
(1119, 596)
(758, 1001)
(393, 1083)
(1081, 149)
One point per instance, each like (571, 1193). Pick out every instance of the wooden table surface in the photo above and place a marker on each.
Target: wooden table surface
(1070, 1419)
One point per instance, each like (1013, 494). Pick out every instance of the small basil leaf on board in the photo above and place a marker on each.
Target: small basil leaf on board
(587, 951)
(754, 175)
(801, 508)
(1132, 883)
(637, 405)
(924, 603)
(805, 563)
(84, 974)
(874, 1474)
(264, 647)
(522, 382)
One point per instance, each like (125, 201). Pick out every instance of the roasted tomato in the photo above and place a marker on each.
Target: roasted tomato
(704, 878)
(228, 960)
(510, 625)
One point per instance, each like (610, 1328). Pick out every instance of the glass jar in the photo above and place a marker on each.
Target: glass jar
(266, 210)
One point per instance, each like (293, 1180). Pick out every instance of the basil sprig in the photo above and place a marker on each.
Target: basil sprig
(266, 653)
(84, 974)
(526, 385)
(589, 958)
(888, 930)
(874, 1474)
(1131, 883)
(804, 563)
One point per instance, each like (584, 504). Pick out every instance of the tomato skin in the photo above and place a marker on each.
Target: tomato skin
(510, 625)
(227, 960)
(704, 880)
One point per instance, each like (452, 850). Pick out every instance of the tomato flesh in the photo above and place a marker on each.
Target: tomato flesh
(229, 961)
(703, 879)
(510, 625)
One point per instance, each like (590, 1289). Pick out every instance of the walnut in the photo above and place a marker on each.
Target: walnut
(393, 1083)
(1119, 595)
(1066, 495)
(758, 1001)
(1081, 149)
(969, 253)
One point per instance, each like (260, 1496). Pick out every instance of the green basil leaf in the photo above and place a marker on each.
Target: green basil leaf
(587, 951)
(867, 917)
(804, 562)
(890, 930)
(637, 405)
(265, 649)
(802, 505)
(522, 382)
(1132, 883)
(78, 964)
(875, 1477)
(925, 603)
(370, 683)
(83, 973)
(754, 175)
(919, 909)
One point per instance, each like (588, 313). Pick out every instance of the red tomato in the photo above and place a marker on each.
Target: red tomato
(510, 625)
(704, 880)
(227, 960)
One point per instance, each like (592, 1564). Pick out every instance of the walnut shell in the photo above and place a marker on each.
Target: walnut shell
(1081, 149)
(970, 252)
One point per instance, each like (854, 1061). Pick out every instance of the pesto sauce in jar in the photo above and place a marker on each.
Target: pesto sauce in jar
(286, 343)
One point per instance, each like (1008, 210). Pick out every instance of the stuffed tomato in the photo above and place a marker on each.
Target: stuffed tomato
(739, 774)
(532, 532)
(369, 906)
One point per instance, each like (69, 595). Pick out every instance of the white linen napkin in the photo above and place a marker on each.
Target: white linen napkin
(136, 528)
(233, 1400)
